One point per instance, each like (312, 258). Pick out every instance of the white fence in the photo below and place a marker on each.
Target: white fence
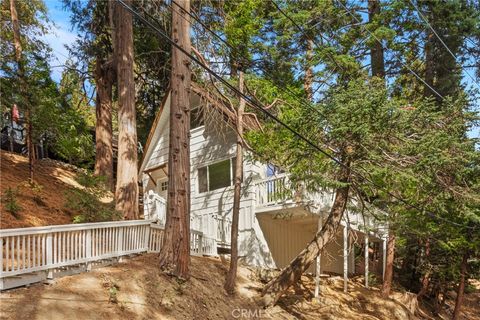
(27, 250)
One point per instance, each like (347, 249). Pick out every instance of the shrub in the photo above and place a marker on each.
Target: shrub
(86, 201)
(10, 199)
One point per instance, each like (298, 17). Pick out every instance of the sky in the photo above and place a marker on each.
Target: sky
(62, 35)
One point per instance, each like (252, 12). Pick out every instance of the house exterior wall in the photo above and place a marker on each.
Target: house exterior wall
(210, 209)
(263, 240)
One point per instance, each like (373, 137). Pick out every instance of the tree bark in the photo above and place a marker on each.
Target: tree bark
(426, 276)
(175, 252)
(376, 50)
(104, 78)
(388, 277)
(232, 273)
(126, 193)
(308, 81)
(292, 273)
(461, 287)
(23, 85)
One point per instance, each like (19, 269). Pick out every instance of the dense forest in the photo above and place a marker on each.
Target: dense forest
(376, 100)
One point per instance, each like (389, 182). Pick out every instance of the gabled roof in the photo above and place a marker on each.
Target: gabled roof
(214, 100)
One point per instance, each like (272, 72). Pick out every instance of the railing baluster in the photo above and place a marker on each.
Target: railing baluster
(18, 253)
(23, 253)
(12, 257)
(1, 255)
(49, 254)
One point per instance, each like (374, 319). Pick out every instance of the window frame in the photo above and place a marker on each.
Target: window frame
(206, 166)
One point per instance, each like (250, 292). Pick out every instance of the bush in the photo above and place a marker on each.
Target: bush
(10, 199)
(36, 190)
(86, 201)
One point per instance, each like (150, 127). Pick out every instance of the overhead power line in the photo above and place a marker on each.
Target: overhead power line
(443, 42)
(258, 106)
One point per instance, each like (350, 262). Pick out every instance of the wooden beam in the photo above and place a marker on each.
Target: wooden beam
(151, 178)
(161, 166)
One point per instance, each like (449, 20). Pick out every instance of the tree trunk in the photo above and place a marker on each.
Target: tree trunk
(292, 273)
(175, 252)
(232, 273)
(426, 276)
(11, 130)
(23, 85)
(388, 277)
(376, 49)
(104, 78)
(461, 287)
(308, 81)
(126, 193)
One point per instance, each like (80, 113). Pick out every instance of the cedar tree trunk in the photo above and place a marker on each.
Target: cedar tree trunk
(232, 272)
(23, 84)
(308, 81)
(461, 288)
(388, 277)
(175, 252)
(126, 193)
(376, 49)
(104, 78)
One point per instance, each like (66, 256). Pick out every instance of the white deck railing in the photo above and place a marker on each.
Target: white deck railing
(273, 190)
(27, 250)
(156, 207)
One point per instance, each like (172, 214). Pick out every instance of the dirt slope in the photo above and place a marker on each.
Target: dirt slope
(53, 177)
(135, 289)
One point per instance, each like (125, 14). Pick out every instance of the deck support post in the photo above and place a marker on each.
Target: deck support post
(345, 258)
(366, 258)
(318, 265)
(49, 254)
(88, 247)
(384, 255)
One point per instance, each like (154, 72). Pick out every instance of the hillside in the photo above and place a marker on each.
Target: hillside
(46, 204)
(136, 289)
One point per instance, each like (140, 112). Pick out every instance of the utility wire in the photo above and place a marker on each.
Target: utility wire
(443, 43)
(258, 106)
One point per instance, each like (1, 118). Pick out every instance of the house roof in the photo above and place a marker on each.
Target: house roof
(215, 100)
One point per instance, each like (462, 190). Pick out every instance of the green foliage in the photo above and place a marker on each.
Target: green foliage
(36, 190)
(10, 201)
(87, 202)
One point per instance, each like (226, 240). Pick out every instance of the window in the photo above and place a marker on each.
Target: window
(164, 185)
(216, 176)
(273, 170)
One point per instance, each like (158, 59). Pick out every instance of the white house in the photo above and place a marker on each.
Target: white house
(275, 223)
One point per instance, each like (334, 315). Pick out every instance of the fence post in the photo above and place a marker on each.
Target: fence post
(88, 252)
(1, 256)
(147, 238)
(50, 255)
(200, 244)
(120, 243)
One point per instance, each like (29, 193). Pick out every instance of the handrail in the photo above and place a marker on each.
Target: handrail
(71, 227)
(26, 250)
(271, 178)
